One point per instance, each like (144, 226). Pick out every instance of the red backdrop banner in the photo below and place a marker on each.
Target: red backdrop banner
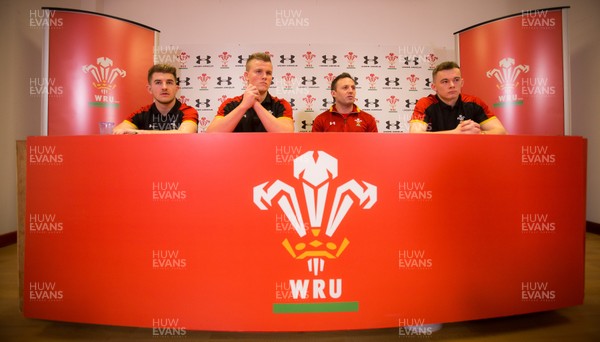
(101, 63)
(515, 64)
(291, 232)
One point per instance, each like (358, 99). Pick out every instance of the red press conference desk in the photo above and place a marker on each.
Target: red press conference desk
(292, 232)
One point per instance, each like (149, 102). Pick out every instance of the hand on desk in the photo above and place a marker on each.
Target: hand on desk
(468, 127)
(125, 131)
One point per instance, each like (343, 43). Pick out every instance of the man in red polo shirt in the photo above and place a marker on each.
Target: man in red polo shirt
(344, 115)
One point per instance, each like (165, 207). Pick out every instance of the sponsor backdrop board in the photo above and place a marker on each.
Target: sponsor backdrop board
(100, 64)
(390, 79)
(102, 75)
(516, 64)
(292, 232)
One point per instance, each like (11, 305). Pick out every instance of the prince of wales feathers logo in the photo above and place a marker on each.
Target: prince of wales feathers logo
(315, 176)
(507, 77)
(104, 80)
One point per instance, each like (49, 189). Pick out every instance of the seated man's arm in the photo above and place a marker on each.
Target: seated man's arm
(464, 127)
(417, 126)
(417, 122)
(125, 127)
(493, 126)
(372, 127)
(282, 124)
(186, 127)
(318, 125)
(228, 122)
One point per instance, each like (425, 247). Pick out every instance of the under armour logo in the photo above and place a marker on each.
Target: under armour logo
(375, 103)
(327, 103)
(408, 60)
(312, 80)
(410, 103)
(242, 59)
(205, 104)
(291, 59)
(199, 59)
(427, 82)
(373, 60)
(389, 81)
(305, 124)
(332, 59)
(389, 125)
(220, 80)
(292, 101)
(186, 81)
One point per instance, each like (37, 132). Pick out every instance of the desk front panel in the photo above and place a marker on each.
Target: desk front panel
(290, 232)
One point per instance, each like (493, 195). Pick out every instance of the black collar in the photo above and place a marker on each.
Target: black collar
(173, 109)
(446, 106)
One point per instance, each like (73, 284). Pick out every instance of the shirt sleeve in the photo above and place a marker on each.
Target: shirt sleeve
(286, 109)
(419, 111)
(228, 105)
(189, 114)
(372, 125)
(317, 125)
(137, 117)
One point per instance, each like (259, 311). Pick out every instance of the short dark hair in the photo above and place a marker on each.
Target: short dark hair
(448, 65)
(162, 68)
(261, 56)
(339, 77)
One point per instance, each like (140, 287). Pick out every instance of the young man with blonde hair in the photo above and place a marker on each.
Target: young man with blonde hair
(256, 110)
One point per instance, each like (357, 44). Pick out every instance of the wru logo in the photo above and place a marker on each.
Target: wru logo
(508, 76)
(315, 171)
(104, 75)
